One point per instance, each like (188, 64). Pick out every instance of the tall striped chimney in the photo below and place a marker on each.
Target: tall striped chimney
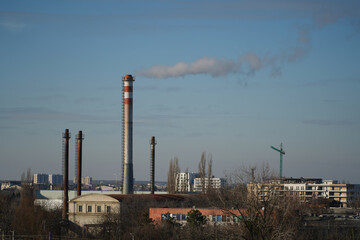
(128, 184)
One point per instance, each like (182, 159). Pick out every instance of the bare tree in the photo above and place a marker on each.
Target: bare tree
(262, 210)
(26, 178)
(209, 173)
(202, 171)
(171, 180)
(174, 169)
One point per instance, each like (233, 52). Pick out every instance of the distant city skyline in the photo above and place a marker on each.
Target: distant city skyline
(230, 78)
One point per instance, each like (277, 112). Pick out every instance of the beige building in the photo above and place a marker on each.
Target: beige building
(90, 209)
(307, 189)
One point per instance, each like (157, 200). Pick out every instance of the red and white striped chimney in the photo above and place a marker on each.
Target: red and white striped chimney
(128, 184)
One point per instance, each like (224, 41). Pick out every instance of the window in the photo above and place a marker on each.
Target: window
(89, 208)
(237, 218)
(80, 208)
(98, 208)
(108, 209)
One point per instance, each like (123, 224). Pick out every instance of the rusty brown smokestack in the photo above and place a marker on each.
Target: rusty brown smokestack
(79, 139)
(66, 137)
(152, 164)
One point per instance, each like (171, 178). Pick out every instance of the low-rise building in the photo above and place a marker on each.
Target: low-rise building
(213, 216)
(90, 210)
(10, 185)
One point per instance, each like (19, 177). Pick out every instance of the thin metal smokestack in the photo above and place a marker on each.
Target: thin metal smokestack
(79, 139)
(66, 137)
(128, 184)
(152, 164)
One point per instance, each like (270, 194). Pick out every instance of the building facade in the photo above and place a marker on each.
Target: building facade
(214, 183)
(307, 189)
(84, 180)
(185, 182)
(41, 178)
(213, 216)
(90, 209)
(56, 179)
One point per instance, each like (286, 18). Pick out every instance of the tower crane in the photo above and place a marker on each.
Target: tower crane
(282, 152)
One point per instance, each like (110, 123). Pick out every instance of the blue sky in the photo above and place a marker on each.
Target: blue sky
(230, 78)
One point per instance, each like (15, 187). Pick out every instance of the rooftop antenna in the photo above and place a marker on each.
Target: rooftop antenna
(282, 152)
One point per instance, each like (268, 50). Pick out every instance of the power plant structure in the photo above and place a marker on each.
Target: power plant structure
(66, 137)
(152, 164)
(79, 138)
(128, 179)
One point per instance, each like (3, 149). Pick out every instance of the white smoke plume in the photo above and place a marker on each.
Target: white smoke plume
(247, 64)
(205, 65)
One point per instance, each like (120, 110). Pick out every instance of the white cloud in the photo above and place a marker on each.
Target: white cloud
(12, 26)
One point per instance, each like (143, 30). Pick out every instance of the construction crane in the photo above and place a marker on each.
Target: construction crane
(282, 152)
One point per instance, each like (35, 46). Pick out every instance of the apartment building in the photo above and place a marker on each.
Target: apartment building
(185, 181)
(87, 180)
(214, 183)
(307, 189)
(41, 178)
(56, 179)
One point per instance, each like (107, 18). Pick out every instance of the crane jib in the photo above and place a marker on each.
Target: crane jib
(280, 151)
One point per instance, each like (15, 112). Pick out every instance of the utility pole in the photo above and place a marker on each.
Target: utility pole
(282, 152)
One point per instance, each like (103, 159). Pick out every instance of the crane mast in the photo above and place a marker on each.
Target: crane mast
(282, 152)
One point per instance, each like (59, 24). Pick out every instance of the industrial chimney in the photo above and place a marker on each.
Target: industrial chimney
(152, 164)
(66, 137)
(79, 139)
(128, 183)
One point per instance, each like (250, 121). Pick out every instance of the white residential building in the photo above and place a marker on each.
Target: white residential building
(185, 182)
(214, 183)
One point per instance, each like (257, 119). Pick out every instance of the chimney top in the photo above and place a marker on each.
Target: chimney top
(128, 77)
